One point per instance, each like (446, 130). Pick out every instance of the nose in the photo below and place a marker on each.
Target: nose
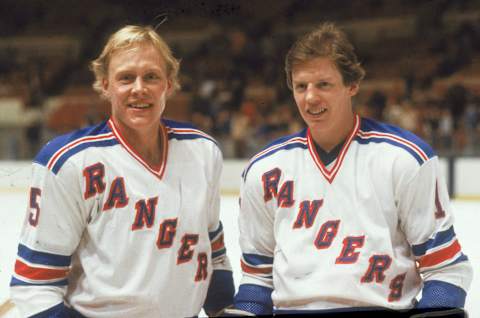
(138, 85)
(311, 94)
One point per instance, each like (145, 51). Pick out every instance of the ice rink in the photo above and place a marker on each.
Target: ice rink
(13, 205)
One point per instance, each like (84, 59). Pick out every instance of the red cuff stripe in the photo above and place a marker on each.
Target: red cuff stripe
(218, 244)
(37, 273)
(440, 255)
(255, 270)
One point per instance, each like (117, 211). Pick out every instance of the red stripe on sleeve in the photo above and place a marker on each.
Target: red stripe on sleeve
(218, 244)
(255, 270)
(440, 255)
(38, 273)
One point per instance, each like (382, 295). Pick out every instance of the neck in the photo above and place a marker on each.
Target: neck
(146, 142)
(329, 139)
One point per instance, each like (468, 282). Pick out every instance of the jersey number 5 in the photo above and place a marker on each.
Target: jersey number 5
(34, 206)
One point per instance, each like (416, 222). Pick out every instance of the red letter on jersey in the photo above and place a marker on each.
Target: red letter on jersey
(270, 181)
(285, 196)
(144, 213)
(396, 286)
(326, 234)
(378, 265)
(185, 253)
(348, 254)
(307, 213)
(94, 183)
(117, 197)
(202, 272)
(167, 232)
(35, 193)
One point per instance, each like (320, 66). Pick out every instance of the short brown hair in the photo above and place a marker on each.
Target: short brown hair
(327, 40)
(127, 37)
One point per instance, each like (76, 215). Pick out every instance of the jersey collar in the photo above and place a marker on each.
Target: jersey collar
(330, 174)
(158, 171)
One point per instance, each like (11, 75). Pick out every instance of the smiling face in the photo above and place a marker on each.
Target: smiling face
(137, 87)
(323, 100)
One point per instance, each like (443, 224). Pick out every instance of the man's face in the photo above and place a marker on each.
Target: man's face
(137, 87)
(323, 100)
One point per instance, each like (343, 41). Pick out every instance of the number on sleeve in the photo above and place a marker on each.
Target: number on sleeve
(34, 206)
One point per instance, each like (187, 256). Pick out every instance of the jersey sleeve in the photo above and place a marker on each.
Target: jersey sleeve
(52, 229)
(221, 289)
(257, 242)
(427, 220)
(215, 227)
(256, 227)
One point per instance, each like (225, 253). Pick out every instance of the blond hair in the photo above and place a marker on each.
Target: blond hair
(328, 41)
(127, 37)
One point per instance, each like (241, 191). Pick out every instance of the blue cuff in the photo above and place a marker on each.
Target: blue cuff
(439, 294)
(58, 311)
(220, 292)
(254, 299)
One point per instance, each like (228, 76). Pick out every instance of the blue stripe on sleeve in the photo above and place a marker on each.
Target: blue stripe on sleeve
(219, 253)
(42, 258)
(255, 259)
(440, 238)
(213, 234)
(18, 282)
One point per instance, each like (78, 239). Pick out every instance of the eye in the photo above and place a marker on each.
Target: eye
(299, 87)
(323, 84)
(126, 78)
(151, 77)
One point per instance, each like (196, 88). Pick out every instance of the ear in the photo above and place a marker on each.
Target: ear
(353, 90)
(105, 92)
(169, 88)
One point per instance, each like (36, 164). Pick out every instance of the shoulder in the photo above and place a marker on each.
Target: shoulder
(57, 151)
(372, 131)
(185, 131)
(281, 145)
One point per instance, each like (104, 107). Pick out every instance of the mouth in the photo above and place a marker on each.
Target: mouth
(317, 112)
(140, 105)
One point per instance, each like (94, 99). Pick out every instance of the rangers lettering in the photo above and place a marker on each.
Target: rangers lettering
(396, 286)
(270, 181)
(94, 183)
(348, 254)
(326, 234)
(285, 196)
(202, 272)
(117, 197)
(185, 252)
(307, 213)
(166, 233)
(378, 265)
(34, 215)
(144, 213)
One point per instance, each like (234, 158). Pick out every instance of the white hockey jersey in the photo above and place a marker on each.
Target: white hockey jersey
(116, 237)
(364, 231)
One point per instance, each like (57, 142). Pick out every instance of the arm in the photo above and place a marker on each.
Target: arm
(428, 225)
(221, 288)
(257, 243)
(50, 234)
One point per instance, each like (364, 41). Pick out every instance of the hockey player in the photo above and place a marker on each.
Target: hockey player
(123, 217)
(349, 214)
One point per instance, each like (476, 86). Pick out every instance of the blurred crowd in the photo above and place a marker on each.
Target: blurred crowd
(233, 83)
(239, 93)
